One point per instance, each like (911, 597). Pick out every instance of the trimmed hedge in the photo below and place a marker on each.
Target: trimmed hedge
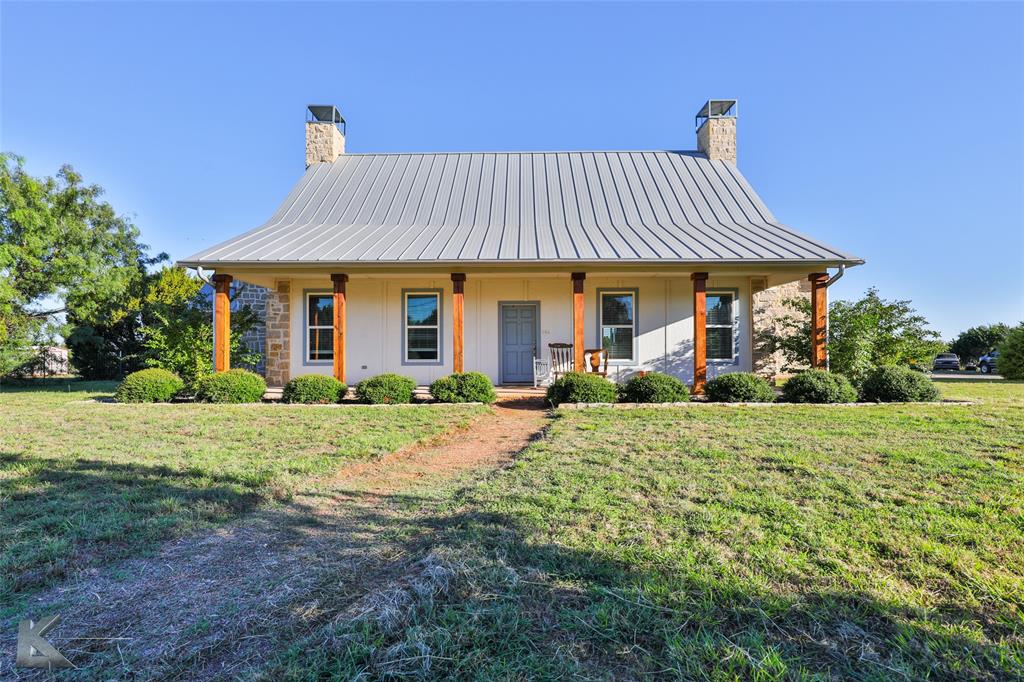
(579, 387)
(739, 387)
(654, 387)
(314, 389)
(897, 385)
(232, 386)
(149, 386)
(386, 389)
(1010, 363)
(468, 387)
(819, 386)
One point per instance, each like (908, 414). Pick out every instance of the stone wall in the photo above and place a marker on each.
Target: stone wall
(716, 138)
(324, 143)
(278, 331)
(255, 339)
(767, 308)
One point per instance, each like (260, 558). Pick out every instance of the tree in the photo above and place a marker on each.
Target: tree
(1011, 354)
(976, 341)
(861, 335)
(62, 250)
(178, 329)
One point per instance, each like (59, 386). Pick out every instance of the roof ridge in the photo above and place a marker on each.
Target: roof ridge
(550, 151)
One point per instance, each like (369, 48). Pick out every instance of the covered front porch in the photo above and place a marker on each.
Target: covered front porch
(429, 323)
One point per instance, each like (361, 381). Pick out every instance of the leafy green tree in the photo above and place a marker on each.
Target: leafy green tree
(178, 330)
(976, 341)
(62, 250)
(1011, 354)
(862, 334)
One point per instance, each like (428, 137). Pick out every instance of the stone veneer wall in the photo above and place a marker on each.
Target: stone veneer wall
(256, 298)
(767, 309)
(717, 139)
(278, 330)
(324, 143)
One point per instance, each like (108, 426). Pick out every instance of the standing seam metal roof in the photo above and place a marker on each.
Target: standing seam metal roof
(521, 206)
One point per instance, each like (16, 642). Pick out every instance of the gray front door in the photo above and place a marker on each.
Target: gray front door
(518, 342)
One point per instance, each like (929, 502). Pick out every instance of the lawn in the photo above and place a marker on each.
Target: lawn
(84, 483)
(724, 543)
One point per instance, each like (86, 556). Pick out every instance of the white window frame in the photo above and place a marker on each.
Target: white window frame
(307, 327)
(438, 294)
(635, 293)
(734, 298)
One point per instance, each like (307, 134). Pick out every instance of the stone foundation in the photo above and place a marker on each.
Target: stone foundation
(278, 335)
(767, 309)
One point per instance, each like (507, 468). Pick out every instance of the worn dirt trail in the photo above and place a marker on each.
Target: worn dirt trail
(216, 605)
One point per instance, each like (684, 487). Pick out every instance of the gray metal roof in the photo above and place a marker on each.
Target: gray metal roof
(657, 206)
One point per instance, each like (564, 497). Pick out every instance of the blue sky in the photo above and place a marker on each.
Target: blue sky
(893, 131)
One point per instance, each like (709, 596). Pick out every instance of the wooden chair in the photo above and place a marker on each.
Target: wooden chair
(592, 361)
(561, 359)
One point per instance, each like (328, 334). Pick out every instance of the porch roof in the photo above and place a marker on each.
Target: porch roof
(521, 207)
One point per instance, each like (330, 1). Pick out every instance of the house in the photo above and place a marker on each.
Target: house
(425, 264)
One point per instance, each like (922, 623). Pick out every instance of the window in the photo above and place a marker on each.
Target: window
(319, 327)
(422, 326)
(719, 326)
(618, 323)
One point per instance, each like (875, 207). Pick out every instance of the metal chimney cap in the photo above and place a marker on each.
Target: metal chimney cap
(324, 113)
(717, 108)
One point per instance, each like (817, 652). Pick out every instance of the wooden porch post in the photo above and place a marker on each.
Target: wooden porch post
(222, 323)
(700, 338)
(577, 320)
(819, 316)
(458, 320)
(339, 325)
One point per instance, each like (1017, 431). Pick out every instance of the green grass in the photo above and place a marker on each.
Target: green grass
(83, 484)
(725, 543)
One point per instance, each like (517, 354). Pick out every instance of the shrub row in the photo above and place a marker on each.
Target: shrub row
(883, 384)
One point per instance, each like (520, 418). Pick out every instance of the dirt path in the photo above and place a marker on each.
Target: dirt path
(216, 605)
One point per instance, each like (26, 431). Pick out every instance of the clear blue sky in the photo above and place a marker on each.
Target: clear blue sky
(893, 131)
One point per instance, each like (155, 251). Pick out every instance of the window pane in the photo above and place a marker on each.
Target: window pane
(618, 341)
(719, 309)
(421, 309)
(616, 308)
(719, 343)
(321, 344)
(321, 310)
(422, 344)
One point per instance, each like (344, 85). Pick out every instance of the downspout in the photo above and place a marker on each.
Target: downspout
(213, 313)
(829, 282)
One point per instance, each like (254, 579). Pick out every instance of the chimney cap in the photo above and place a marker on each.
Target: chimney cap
(324, 113)
(717, 108)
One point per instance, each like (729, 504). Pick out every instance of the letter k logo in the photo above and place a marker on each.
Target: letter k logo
(36, 652)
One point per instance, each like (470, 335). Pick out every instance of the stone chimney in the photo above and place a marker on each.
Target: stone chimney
(716, 130)
(325, 134)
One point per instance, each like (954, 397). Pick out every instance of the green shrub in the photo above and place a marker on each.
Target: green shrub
(386, 389)
(232, 386)
(1011, 355)
(654, 387)
(149, 386)
(579, 387)
(819, 386)
(739, 387)
(468, 387)
(314, 389)
(897, 384)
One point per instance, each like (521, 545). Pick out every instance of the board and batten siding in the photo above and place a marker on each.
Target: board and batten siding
(375, 332)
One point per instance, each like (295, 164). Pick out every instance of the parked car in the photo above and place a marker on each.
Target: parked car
(987, 362)
(946, 361)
